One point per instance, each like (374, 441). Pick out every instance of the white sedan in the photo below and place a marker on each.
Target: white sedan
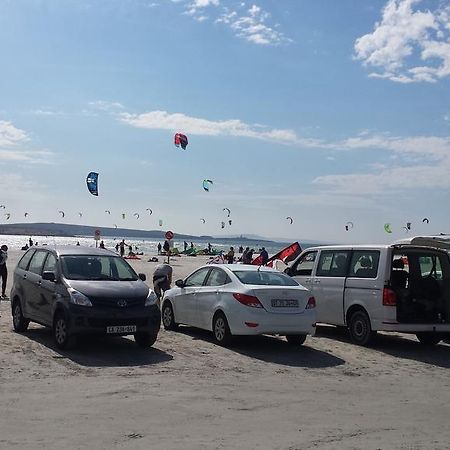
(239, 299)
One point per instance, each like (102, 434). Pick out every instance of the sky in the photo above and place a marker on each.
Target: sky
(325, 111)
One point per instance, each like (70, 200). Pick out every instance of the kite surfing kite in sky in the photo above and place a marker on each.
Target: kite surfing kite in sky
(425, 220)
(149, 211)
(229, 211)
(387, 228)
(291, 220)
(92, 182)
(136, 215)
(206, 184)
(349, 226)
(62, 213)
(8, 215)
(181, 140)
(108, 211)
(203, 220)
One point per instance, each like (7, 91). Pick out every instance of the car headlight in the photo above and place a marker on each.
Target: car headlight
(151, 299)
(77, 298)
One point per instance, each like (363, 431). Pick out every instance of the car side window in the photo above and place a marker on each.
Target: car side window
(305, 265)
(37, 261)
(23, 263)
(217, 277)
(50, 263)
(333, 263)
(364, 264)
(197, 278)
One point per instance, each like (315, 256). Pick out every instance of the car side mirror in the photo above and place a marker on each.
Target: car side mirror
(49, 276)
(142, 276)
(179, 283)
(288, 271)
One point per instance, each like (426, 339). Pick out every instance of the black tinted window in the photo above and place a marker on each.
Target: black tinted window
(305, 265)
(333, 263)
(364, 264)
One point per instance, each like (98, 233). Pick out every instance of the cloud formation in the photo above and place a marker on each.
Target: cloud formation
(10, 135)
(404, 36)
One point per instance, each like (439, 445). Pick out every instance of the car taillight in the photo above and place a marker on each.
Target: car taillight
(248, 300)
(389, 297)
(311, 303)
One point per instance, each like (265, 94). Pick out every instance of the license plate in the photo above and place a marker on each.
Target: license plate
(284, 303)
(121, 329)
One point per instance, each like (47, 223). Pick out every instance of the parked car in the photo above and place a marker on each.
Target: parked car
(81, 290)
(402, 287)
(238, 299)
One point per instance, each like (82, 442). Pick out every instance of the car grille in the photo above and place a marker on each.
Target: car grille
(100, 323)
(114, 303)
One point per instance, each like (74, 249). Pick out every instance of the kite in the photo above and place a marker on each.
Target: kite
(149, 211)
(26, 214)
(206, 184)
(222, 224)
(123, 215)
(230, 222)
(349, 226)
(108, 211)
(181, 140)
(62, 213)
(160, 223)
(387, 228)
(136, 215)
(286, 255)
(115, 226)
(8, 215)
(92, 182)
(203, 220)
(3, 206)
(80, 214)
(290, 219)
(425, 220)
(229, 211)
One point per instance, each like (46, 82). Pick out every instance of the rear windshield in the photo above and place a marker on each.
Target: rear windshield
(264, 278)
(99, 267)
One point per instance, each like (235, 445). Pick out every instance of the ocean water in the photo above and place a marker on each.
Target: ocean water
(147, 246)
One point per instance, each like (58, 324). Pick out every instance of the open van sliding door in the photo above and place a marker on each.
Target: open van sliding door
(329, 285)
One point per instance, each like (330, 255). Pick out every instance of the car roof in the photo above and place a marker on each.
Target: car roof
(350, 247)
(72, 250)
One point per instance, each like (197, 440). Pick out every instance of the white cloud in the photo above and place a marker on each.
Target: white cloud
(107, 106)
(404, 35)
(10, 135)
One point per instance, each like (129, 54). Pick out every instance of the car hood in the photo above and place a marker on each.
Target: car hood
(122, 289)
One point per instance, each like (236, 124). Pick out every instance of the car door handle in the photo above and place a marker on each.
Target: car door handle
(316, 281)
(24, 277)
(308, 280)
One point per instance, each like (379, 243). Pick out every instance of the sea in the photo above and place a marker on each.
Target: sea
(147, 246)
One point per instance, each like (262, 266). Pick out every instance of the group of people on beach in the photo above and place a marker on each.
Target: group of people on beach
(247, 255)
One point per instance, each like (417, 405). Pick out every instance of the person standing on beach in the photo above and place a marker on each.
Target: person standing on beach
(185, 245)
(245, 256)
(264, 256)
(162, 279)
(3, 269)
(30, 241)
(159, 248)
(230, 256)
(122, 247)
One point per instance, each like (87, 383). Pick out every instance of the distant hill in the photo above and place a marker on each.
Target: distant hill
(71, 230)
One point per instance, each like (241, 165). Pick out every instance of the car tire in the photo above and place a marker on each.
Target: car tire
(168, 318)
(360, 329)
(20, 323)
(429, 338)
(296, 339)
(221, 330)
(61, 335)
(145, 340)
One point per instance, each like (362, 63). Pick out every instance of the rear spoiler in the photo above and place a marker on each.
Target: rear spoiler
(441, 241)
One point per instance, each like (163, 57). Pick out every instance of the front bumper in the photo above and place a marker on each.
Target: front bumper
(95, 320)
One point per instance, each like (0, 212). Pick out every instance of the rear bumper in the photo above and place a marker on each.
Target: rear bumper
(269, 323)
(94, 320)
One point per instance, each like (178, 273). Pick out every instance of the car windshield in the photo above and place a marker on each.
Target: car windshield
(98, 267)
(266, 278)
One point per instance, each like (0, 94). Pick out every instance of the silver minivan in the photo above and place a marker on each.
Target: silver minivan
(403, 287)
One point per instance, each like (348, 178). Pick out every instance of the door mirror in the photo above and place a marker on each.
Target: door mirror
(288, 271)
(142, 276)
(179, 283)
(49, 276)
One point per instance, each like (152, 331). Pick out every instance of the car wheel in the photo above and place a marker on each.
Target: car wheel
(145, 340)
(221, 330)
(19, 322)
(429, 338)
(168, 318)
(359, 327)
(61, 334)
(296, 339)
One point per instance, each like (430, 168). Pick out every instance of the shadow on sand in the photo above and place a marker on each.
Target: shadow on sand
(272, 349)
(396, 345)
(98, 351)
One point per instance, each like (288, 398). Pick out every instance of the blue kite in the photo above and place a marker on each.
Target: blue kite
(92, 183)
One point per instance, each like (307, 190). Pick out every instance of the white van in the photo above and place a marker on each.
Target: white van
(402, 287)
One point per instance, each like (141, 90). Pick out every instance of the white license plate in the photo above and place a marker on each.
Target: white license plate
(285, 303)
(121, 329)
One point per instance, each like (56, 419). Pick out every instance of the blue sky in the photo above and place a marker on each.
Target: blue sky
(320, 110)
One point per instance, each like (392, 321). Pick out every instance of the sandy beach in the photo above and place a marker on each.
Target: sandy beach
(186, 392)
